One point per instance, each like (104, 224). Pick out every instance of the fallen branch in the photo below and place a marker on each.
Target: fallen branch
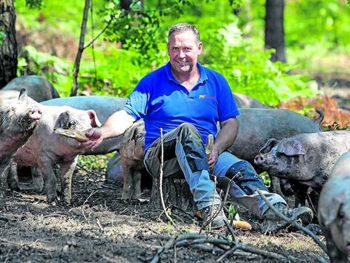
(198, 239)
(293, 222)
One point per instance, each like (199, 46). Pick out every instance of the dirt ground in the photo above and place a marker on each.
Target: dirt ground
(100, 227)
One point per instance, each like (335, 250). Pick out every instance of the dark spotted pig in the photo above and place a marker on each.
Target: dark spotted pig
(304, 159)
(334, 211)
(45, 148)
(18, 119)
(257, 126)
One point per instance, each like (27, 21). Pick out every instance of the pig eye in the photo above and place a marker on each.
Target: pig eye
(341, 213)
(71, 124)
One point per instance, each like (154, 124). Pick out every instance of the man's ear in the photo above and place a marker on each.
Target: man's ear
(200, 48)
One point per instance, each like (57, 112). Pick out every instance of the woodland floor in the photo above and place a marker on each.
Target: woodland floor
(100, 227)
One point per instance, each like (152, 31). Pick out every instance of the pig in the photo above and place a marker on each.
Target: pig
(245, 101)
(18, 119)
(304, 159)
(334, 210)
(45, 148)
(131, 152)
(104, 106)
(256, 126)
(38, 88)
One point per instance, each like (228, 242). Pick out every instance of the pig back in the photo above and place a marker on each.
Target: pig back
(38, 88)
(256, 126)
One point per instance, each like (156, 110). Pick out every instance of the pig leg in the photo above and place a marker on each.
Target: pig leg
(300, 193)
(136, 182)
(46, 169)
(66, 173)
(128, 181)
(276, 185)
(38, 179)
(4, 170)
(13, 177)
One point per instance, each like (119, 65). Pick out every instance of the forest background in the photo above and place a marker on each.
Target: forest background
(134, 36)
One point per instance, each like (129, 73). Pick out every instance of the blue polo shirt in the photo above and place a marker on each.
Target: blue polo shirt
(162, 102)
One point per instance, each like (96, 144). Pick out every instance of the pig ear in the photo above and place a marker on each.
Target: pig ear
(268, 145)
(23, 96)
(95, 122)
(330, 213)
(291, 148)
(62, 120)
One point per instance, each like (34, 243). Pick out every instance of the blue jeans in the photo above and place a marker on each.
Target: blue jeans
(184, 154)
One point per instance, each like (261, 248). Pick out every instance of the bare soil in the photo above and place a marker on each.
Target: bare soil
(100, 227)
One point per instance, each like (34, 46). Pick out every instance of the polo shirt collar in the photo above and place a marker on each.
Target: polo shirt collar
(202, 78)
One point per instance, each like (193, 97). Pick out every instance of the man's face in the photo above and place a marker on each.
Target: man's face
(183, 49)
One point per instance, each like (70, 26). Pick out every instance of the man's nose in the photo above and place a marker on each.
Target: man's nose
(182, 54)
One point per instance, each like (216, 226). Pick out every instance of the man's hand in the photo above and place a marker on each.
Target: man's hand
(213, 158)
(95, 138)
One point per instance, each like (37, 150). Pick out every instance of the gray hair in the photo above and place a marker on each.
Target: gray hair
(182, 27)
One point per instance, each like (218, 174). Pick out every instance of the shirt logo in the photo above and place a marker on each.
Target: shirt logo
(206, 97)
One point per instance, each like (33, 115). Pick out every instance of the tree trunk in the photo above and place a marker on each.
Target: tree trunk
(8, 43)
(176, 192)
(274, 29)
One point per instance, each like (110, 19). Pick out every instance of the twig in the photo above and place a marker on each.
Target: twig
(161, 179)
(227, 252)
(99, 34)
(293, 222)
(82, 207)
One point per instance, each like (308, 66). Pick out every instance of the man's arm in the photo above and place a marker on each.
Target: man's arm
(115, 125)
(226, 137)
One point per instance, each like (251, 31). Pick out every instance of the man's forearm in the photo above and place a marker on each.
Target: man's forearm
(227, 135)
(116, 124)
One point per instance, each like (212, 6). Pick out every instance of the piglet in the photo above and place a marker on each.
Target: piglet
(334, 210)
(45, 148)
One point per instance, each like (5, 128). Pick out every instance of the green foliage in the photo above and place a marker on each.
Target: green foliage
(118, 72)
(250, 71)
(94, 162)
(231, 212)
(2, 37)
(266, 178)
(55, 69)
(34, 4)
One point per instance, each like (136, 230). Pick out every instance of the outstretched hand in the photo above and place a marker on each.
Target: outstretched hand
(95, 138)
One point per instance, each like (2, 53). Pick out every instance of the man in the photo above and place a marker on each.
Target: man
(185, 100)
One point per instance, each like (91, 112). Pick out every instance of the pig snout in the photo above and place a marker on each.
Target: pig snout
(35, 114)
(265, 159)
(30, 120)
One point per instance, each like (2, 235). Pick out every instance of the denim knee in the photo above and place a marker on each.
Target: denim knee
(245, 176)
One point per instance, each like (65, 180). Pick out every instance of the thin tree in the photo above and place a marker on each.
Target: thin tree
(80, 49)
(274, 29)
